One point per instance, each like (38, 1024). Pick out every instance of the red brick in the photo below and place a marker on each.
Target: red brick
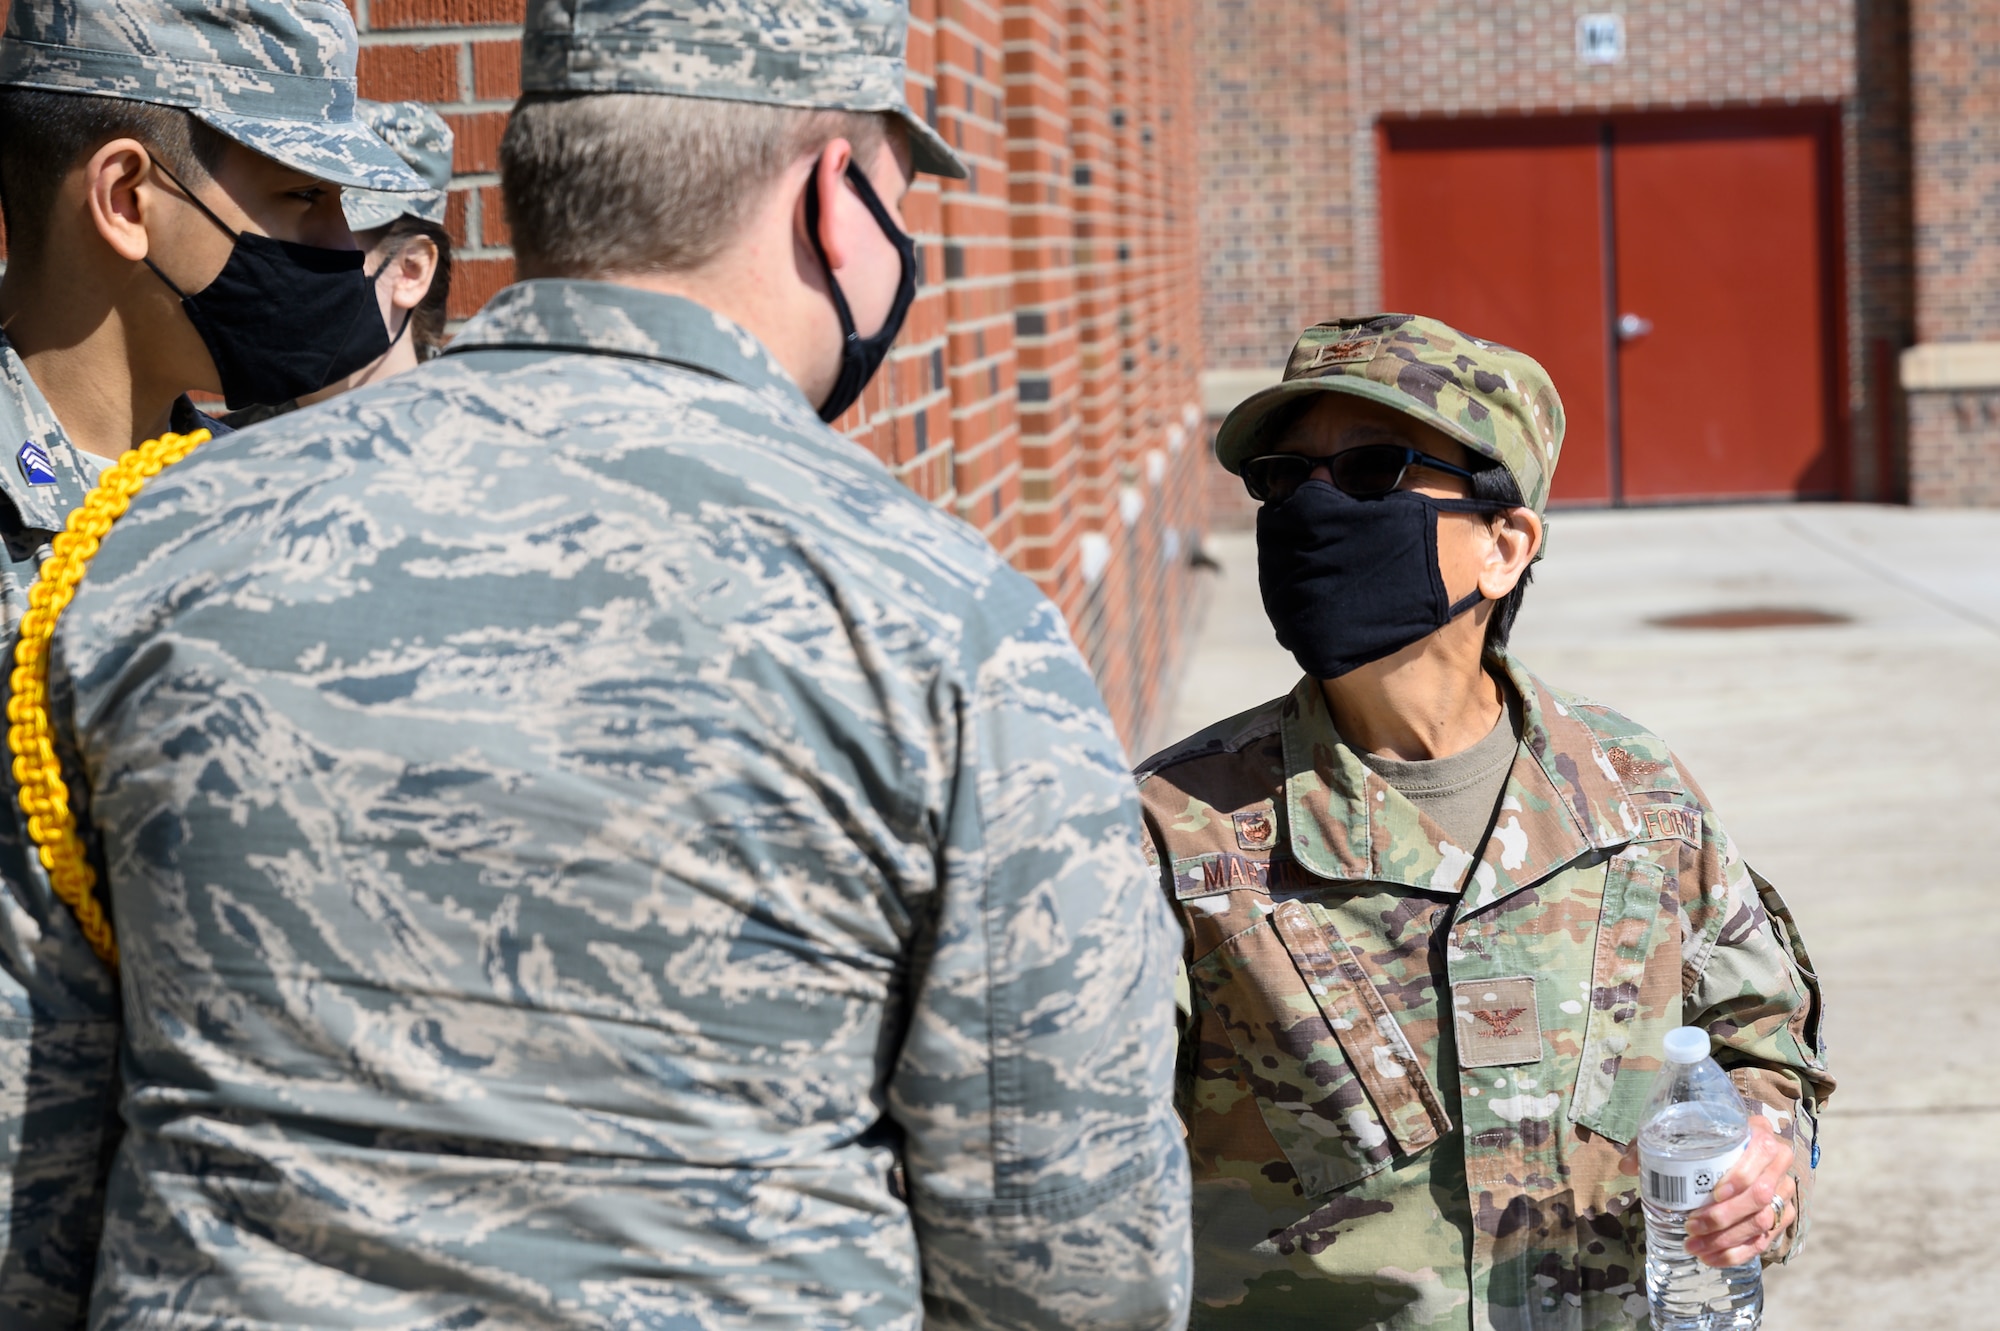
(409, 73)
(386, 14)
(496, 71)
(473, 282)
(455, 218)
(476, 141)
(493, 218)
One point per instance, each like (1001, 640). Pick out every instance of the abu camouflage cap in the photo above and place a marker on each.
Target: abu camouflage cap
(1495, 400)
(837, 55)
(277, 76)
(421, 138)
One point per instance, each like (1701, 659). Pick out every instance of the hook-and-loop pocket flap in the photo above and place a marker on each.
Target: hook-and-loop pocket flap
(1306, 1028)
(1368, 1032)
(1624, 1025)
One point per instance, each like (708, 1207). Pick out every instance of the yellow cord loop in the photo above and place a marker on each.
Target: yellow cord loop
(37, 772)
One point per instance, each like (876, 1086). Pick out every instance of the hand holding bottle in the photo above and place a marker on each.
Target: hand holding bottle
(1741, 1223)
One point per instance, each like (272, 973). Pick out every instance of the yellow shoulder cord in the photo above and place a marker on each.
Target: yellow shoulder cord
(37, 772)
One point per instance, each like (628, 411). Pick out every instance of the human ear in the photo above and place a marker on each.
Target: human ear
(114, 193)
(411, 272)
(829, 179)
(1516, 537)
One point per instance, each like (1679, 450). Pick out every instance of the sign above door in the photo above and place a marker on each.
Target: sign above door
(1600, 39)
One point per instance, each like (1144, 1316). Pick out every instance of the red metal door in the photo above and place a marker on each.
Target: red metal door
(1722, 262)
(1495, 230)
(1712, 230)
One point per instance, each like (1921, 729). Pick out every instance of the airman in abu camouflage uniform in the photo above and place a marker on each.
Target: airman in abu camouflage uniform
(1416, 1052)
(407, 251)
(588, 848)
(275, 77)
(273, 82)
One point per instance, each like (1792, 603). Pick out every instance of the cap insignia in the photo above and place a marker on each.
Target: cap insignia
(1355, 345)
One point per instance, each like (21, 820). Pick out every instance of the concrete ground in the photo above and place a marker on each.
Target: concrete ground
(1858, 765)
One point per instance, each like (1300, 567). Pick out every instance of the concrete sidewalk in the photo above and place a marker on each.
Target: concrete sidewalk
(1858, 765)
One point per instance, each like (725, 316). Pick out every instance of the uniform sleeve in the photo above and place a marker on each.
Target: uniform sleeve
(1048, 1183)
(1187, 1026)
(1750, 984)
(58, 1070)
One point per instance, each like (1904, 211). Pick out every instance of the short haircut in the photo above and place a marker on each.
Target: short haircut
(604, 183)
(1494, 482)
(427, 320)
(46, 135)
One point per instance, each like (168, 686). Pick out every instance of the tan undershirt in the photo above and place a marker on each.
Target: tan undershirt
(1460, 792)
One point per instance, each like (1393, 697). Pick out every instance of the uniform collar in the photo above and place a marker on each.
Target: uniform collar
(1562, 798)
(33, 448)
(608, 319)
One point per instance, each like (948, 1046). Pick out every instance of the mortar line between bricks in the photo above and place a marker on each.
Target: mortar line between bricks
(1918, 1111)
(440, 36)
(1891, 576)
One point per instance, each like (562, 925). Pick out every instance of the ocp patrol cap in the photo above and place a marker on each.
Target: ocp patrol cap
(837, 55)
(1496, 401)
(421, 138)
(276, 76)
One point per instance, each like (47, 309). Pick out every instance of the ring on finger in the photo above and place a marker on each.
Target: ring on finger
(1777, 1214)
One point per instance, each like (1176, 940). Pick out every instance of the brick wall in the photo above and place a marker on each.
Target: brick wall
(1880, 281)
(1277, 191)
(1954, 70)
(1296, 89)
(464, 58)
(1955, 148)
(1044, 386)
(1955, 447)
(1465, 57)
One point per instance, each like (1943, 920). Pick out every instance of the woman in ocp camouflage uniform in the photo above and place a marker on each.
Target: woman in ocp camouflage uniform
(1439, 914)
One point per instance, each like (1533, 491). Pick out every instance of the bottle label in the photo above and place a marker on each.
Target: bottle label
(1684, 1185)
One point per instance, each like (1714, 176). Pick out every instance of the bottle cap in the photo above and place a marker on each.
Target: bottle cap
(1687, 1044)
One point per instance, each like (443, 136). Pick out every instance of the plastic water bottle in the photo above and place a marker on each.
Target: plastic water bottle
(1696, 1129)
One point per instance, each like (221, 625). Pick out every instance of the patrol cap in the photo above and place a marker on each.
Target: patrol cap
(277, 76)
(1495, 400)
(838, 55)
(421, 138)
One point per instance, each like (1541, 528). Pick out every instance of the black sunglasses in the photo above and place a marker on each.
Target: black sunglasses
(1368, 472)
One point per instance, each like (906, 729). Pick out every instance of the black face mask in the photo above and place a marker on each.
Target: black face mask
(861, 356)
(282, 320)
(1347, 581)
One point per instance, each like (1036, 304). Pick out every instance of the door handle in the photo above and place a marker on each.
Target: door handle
(1632, 326)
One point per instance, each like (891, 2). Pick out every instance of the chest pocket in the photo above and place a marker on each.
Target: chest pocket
(1337, 1084)
(1634, 997)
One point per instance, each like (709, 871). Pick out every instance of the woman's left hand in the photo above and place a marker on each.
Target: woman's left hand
(1741, 1221)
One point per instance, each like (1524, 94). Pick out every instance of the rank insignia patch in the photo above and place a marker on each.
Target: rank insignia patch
(1497, 1022)
(1354, 346)
(1256, 829)
(1632, 769)
(36, 466)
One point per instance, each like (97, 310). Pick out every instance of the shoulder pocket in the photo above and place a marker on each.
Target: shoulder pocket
(1337, 1084)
